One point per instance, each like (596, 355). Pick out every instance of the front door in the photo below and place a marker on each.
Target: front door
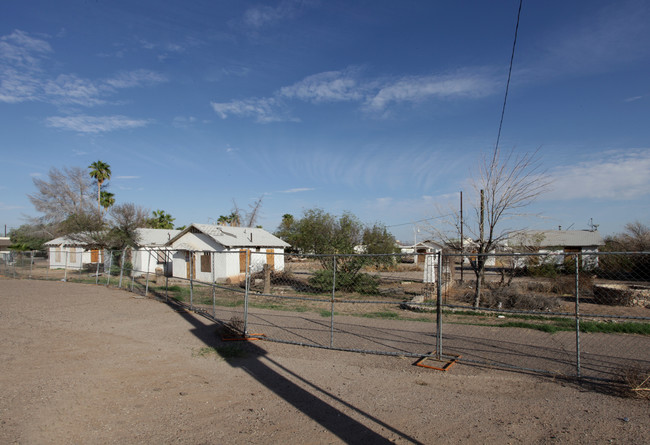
(190, 265)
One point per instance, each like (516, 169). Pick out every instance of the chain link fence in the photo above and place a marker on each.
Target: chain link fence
(567, 314)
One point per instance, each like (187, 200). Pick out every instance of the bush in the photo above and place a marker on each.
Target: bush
(566, 285)
(514, 297)
(128, 267)
(360, 282)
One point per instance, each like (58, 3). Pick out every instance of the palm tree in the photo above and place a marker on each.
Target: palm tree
(101, 171)
(107, 199)
(161, 220)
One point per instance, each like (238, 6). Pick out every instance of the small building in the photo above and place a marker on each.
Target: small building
(5, 253)
(208, 252)
(151, 252)
(67, 253)
(558, 242)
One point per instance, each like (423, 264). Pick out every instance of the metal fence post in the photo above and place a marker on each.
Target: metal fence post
(439, 307)
(122, 267)
(247, 287)
(31, 263)
(132, 272)
(577, 265)
(110, 266)
(192, 280)
(65, 267)
(214, 281)
(96, 271)
(146, 288)
(332, 304)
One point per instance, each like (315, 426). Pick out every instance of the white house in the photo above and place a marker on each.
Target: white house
(207, 252)
(559, 242)
(151, 253)
(68, 253)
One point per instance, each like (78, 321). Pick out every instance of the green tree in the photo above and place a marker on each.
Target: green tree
(101, 172)
(319, 232)
(160, 220)
(28, 237)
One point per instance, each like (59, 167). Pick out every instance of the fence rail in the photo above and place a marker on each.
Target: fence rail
(580, 315)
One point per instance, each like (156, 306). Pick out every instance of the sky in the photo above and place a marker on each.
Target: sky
(380, 108)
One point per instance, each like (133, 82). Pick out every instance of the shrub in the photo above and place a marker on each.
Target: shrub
(128, 267)
(514, 297)
(362, 283)
(566, 285)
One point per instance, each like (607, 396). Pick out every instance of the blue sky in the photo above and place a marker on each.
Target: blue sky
(381, 108)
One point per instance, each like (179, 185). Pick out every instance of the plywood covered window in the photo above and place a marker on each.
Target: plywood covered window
(206, 265)
(243, 257)
(161, 257)
(57, 254)
(73, 254)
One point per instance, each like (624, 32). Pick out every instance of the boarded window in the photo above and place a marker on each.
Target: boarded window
(242, 261)
(161, 257)
(205, 263)
(94, 256)
(57, 254)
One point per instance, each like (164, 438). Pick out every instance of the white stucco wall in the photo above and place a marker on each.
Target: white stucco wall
(145, 259)
(70, 257)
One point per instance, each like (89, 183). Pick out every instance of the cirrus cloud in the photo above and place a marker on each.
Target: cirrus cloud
(94, 124)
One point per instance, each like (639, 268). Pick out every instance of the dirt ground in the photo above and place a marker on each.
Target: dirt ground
(89, 364)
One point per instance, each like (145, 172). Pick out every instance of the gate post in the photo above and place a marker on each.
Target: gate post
(439, 308)
(577, 265)
(247, 281)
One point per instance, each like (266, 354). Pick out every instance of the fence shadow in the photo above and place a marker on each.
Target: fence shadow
(282, 382)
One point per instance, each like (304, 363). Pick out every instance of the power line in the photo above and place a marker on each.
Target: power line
(421, 220)
(512, 58)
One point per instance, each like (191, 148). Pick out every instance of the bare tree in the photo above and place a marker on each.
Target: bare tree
(64, 193)
(126, 218)
(504, 186)
(249, 219)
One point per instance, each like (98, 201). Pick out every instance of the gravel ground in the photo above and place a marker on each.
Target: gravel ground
(90, 364)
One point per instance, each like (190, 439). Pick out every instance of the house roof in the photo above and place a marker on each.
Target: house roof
(5, 242)
(147, 237)
(64, 241)
(550, 238)
(155, 237)
(231, 236)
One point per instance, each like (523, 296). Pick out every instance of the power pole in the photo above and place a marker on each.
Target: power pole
(481, 228)
(462, 238)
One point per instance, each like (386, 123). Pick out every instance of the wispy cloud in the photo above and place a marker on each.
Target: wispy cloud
(373, 95)
(633, 99)
(331, 86)
(264, 110)
(263, 15)
(94, 124)
(422, 88)
(127, 177)
(137, 78)
(183, 121)
(297, 190)
(620, 174)
(23, 77)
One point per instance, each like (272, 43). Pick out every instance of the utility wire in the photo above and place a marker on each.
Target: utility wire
(420, 220)
(512, 58)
